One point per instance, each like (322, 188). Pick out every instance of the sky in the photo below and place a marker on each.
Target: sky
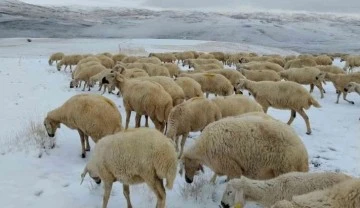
(338, 6)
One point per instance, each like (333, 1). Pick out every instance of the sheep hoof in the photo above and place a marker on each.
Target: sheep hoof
(352, 102)
(308, 133)
(83, 155)
(87, 149)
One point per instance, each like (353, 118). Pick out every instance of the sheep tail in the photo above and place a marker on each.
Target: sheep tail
(314, 102)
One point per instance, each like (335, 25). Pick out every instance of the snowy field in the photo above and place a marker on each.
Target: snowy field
(31, 88)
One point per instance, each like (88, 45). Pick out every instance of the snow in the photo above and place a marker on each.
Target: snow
(30, 88)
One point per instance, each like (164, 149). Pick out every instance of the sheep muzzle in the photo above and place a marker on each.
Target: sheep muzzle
(224, 205)
(105, 81)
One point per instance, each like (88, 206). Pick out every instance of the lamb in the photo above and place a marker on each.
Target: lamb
(212, 83)
(132, 157)
(143, 97)
(283, 187)
(164, 57)
(149, 60)
(306, 76)
(170, 86)
(236, 105)
(323, 60)
(340, 81)
(118, 57)
(281, 95)
(232, 75)
(173, 69)
(106, 61)
(206, 67)
(98, 77)
(247, 146)
(351, 62)
(84, 75)
(56, 57)
(299, 63)
(191, 116)
(260, 66)
(78, 113)
(70, 60)
(261, 75)
(341, 195)
(190, 87)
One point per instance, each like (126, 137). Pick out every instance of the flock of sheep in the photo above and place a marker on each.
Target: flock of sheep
(263, 158)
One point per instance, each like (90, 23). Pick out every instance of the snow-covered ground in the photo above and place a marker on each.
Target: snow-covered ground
(253, 22)
(30, 88)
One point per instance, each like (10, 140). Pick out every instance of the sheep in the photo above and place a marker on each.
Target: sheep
(149, 60)
(84, 75)
(268, 192)
(107, 54)
(306, 76)
(260, 66)
(106, 61)
(340, 81)
(181, 56)
(282, 95)
(261, 75)
(164, 57)
(232, 75)
(88, 59)
(206, 67)
(191, 116)
(173, 69)
(143, 97)
(290, 57)
(219, 56)
(277, 60)
(134, 156)
(87, 63)
(331, 69)
(129, 59)
(247, 146)
(191, 62)
(156, 70)
(236, 105)
(190, 87)
(212, 83)
(56, 57)
(118, 57)
(323, 60)
(78, 113)
(302, 56)
(170, 86)
(299, 63)
(206, 56)
(70, 60)
(341, 195)
(134, 73)
(352, 87)
(351, 62)
(98, 77)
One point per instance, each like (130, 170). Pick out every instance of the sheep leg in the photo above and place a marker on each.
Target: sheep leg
(146, 121)
(105, 86)
(338, 96)
(311, 88)
(126, 192)
(306, 119)
(82, 140)
(108, 187)
(100, 86)
(177, 143)
(156, 185)
(292, 117)
(349, 101)
(84, 86)
(128, 114)
(87, 145)
(265, 108)
(137, 120)
(319, 86)
(183, 140)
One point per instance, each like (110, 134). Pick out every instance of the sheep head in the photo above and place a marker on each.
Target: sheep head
(350, 87)
(240, 85)
(191, 166)
(92, 173)
(233, 196)
(58, 66)
(321, 76)
(51, 126)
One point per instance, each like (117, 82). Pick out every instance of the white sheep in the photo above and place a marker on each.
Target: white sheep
(149, 60)
(98, 78)
(323, 60)
(219, 56)
(164, 57)
(300, 62)
(190, 116)
(352, 87)
(345, 194)
(118, 57)
(260, 65)
(206, 67)
(191, 62)
(283, 187)
(232, 75)
(130, 59)
(106, 61)
(134, 156)
(261, 75)
(84, 75)
(173, 69)
(351, 62)
(206, 56)
(330, 69)
(56, 57)
(144, 97)
(156, 70)
(181, 56)
(246, 146)
(281, 95)
(78, 113)
(190, 87)
(70, 60)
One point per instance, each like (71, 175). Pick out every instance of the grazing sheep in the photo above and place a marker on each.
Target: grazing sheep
(181, 56)
(331, 69)
(219, 56)
(88, 59)
(70, 60)
(118, 57)
(232, 75)
(236, 105)
(352, 87)
(173, 69)
(212, 83)
(107, 54)
(345, 194)
(277, 60)
(83, 65)
(281, 95)
(132, 157)
(305, 55)
(164, 57)
(106, 61)
(283, 187)
(56, 57)
(289, 57)
(134, 73)
(261, 75)
(156, 70)
(260, 66)
(144, 97)
(98, 78)
(351, 62)
(78, 113)
(85, 74)
(191, 62)
(190, 87)
(299, 63)
(306, 76)
(191, 116)
(340, 81)
(149, 60)
(323, 60)
(247, 146)
(130, 59)
(206, 67)
(206, 56)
